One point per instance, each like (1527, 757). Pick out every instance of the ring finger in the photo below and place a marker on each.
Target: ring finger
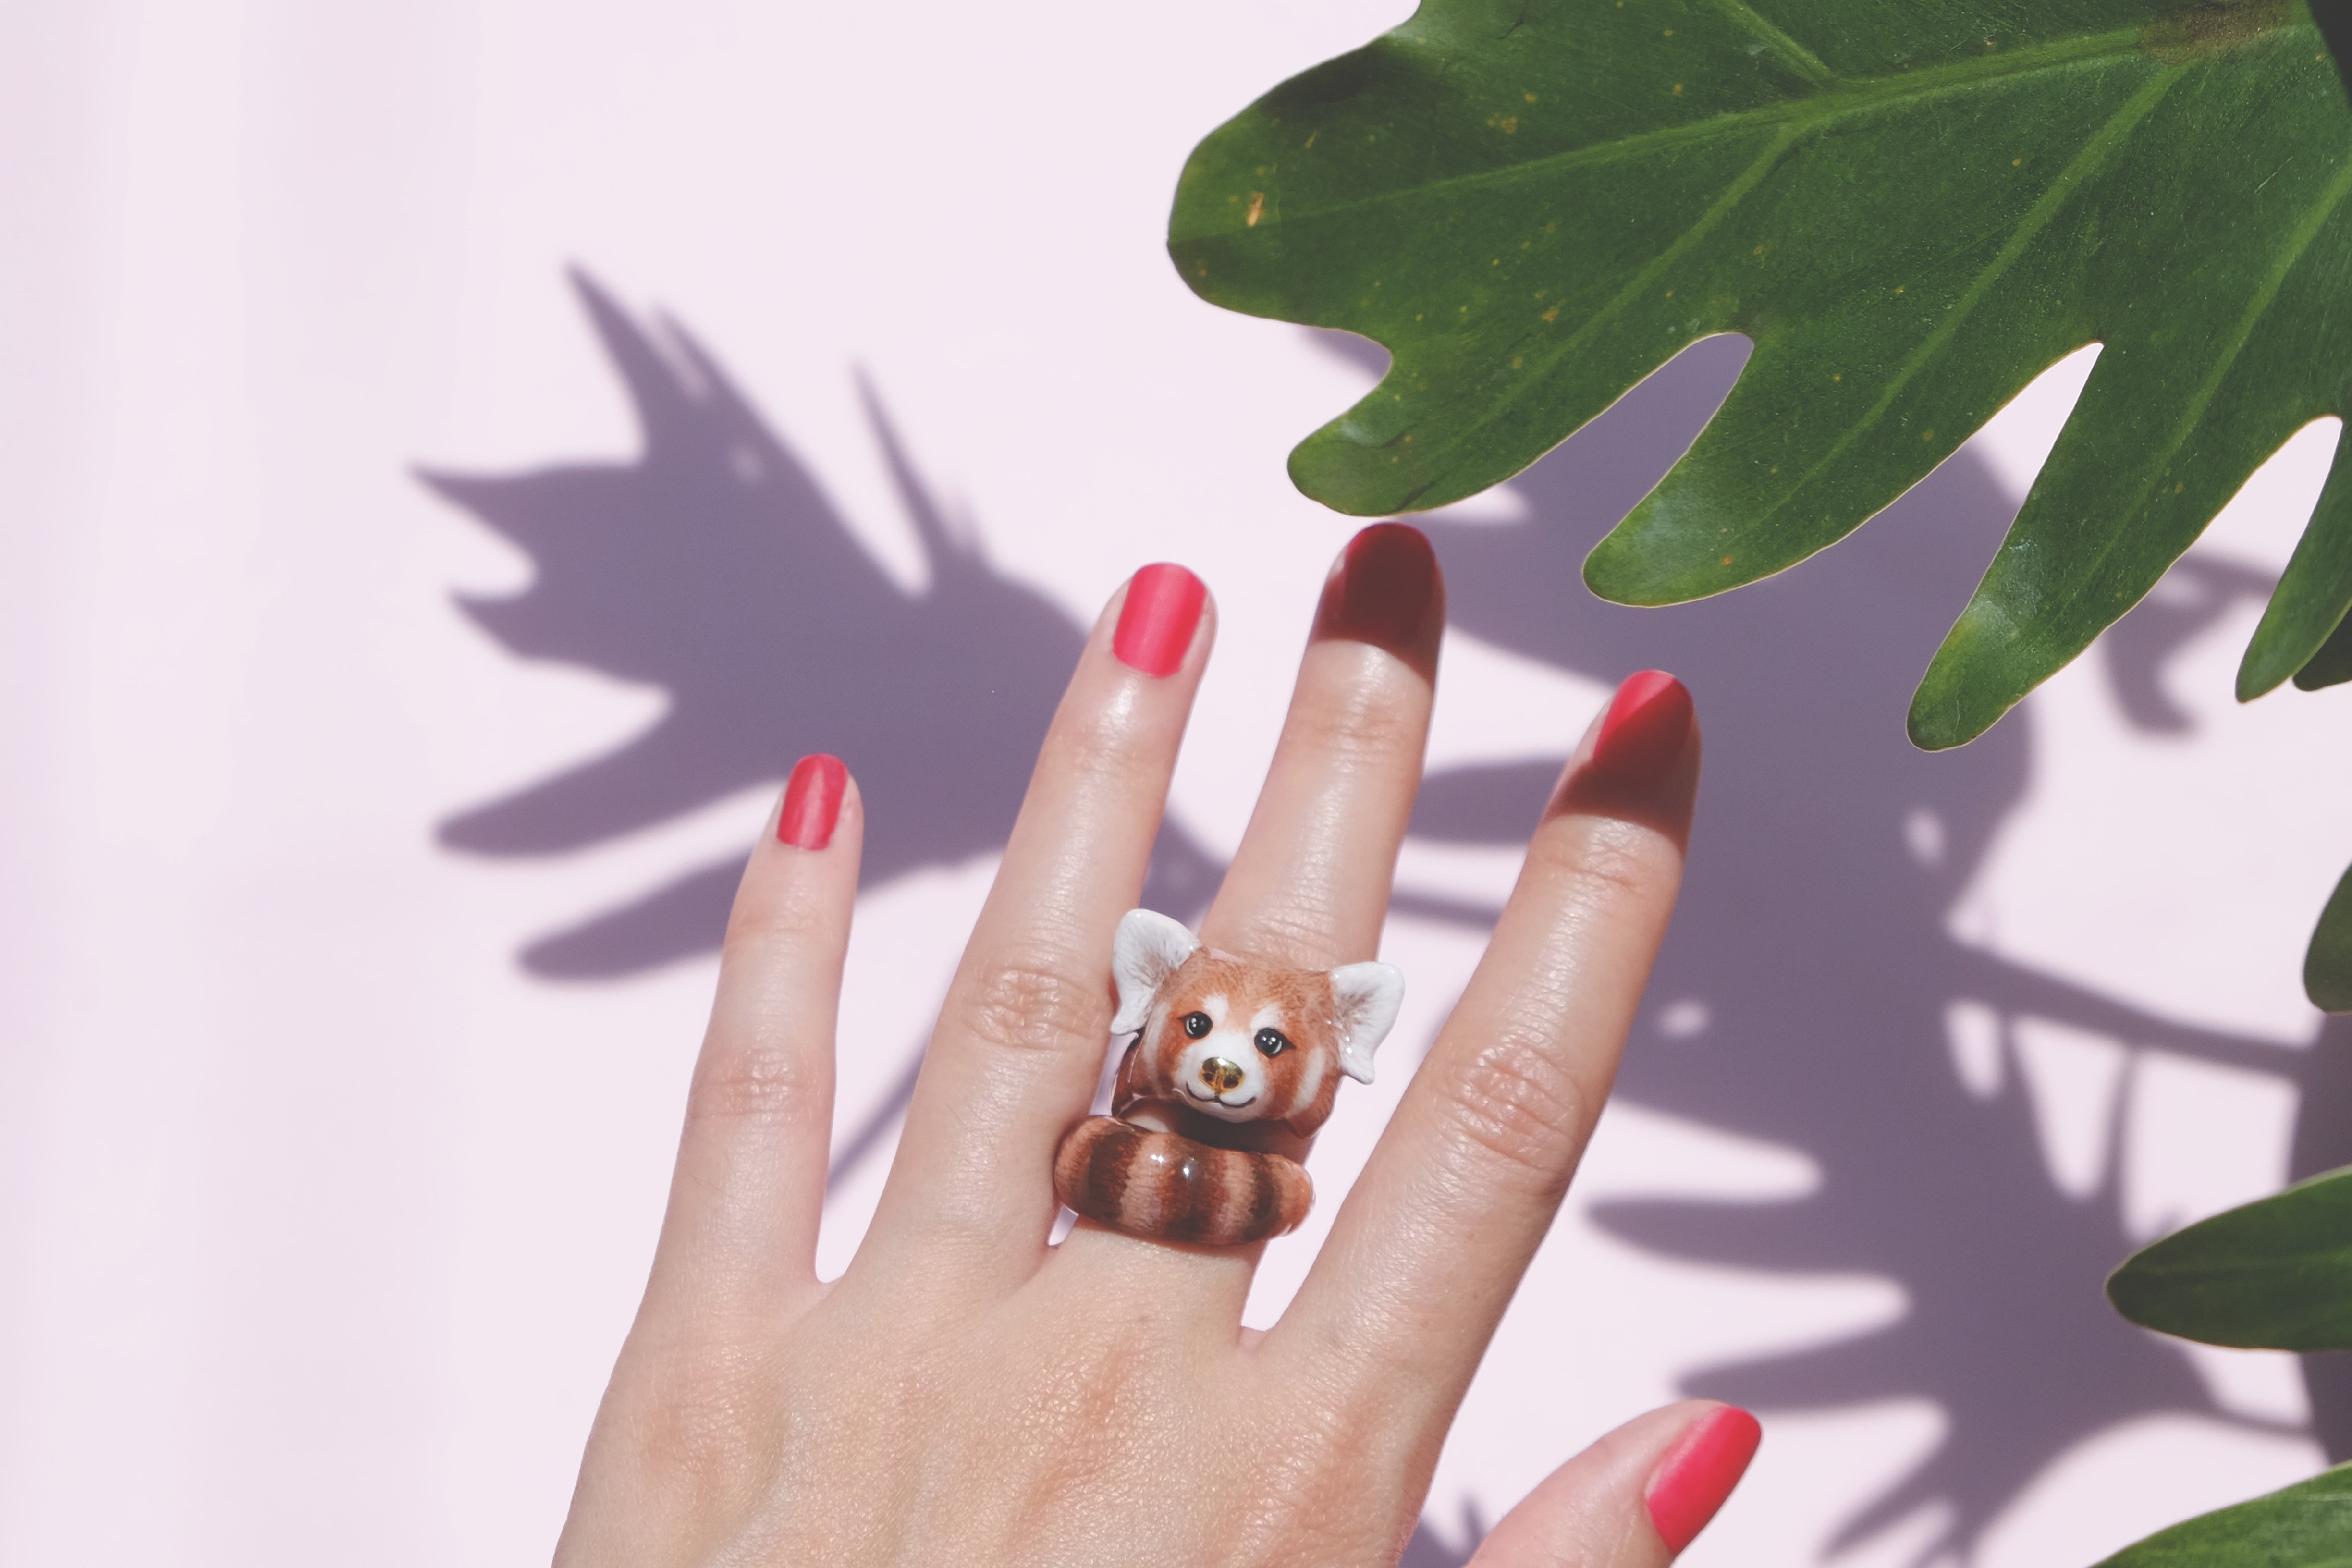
(1466, 1180)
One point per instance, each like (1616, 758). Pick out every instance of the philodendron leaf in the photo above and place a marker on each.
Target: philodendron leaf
(2332, 665)
(2307, 1525)
(1911, 209)
(2271, 1275)
(2327, 964)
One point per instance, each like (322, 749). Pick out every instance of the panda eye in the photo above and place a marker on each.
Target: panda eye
(1197, 1024)
(1271, 1042)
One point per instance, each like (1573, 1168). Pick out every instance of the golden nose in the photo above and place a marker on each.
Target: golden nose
(1221, 1075)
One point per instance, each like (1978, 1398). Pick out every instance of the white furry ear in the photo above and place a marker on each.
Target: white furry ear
(1366, 997)
(1144, 953)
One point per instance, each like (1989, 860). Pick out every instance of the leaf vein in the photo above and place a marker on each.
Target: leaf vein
(2084, 164)
(1843, 99)
(1641, 282)
(1807, 63)
(2224, 361)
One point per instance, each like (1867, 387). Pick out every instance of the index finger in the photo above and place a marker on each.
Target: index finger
(1459, 1193)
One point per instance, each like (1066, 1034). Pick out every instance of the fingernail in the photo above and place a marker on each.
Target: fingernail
(1383, 591)
(1647, 727)
(1156, 623)
(1698, 1473)
(812, 802)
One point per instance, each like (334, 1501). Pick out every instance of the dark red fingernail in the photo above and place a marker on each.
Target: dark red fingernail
(1648, 725)
(1384, 589)
(1156, 623)
(812, 802)
(1698, 1473)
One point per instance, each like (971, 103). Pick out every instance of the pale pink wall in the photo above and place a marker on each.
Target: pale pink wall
(325, 1201)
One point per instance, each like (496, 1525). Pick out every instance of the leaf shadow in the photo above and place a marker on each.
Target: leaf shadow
(712, 565)
(1813, 937)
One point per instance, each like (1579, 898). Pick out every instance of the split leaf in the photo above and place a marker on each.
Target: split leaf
(2327, 965)
(1912, 210)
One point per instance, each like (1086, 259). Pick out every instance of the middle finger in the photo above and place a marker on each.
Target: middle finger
(1308, 888)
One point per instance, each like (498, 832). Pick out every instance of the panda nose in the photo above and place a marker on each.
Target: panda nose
(1221, 1075)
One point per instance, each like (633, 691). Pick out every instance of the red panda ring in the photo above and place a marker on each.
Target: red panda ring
(1170, 1164)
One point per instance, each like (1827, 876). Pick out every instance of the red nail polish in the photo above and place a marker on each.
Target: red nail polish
(1156, 623)
(1384, 589)
(812, 802)
(1698, 1473)
(1648, 725)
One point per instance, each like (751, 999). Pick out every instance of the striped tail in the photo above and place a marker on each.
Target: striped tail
(1169, 1187)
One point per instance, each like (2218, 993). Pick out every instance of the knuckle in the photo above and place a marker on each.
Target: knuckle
(766, 924)
(1517, 1112)
(1097, 744)
(1606, 859)
(1297, 928)
(1367, 726)
(1026, 1006)
(692, 1418)
(752, 1084)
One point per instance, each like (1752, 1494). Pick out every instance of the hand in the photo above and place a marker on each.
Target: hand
(966, 1394)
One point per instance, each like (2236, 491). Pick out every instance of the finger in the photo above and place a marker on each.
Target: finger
(1022, 1037)
(1465, 1181)
(1309, 886)
(1634, 1498)
(740, 1233)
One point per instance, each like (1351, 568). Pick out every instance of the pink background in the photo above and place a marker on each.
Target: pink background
(352, 950)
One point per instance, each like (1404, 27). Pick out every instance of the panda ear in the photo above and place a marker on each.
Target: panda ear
(1144, 953)
(1365, 998)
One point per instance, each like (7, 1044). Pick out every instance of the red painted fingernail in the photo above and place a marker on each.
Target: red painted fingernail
(812, 802)
(1384, 589)
(1156, 623)
(1648, 726)
(1698, 1473)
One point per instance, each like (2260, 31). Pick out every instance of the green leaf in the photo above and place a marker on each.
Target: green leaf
(1912, 210)
(2307, 1525)
(2275, 1274)
(2327, 964)
(2332, 665)
(2307, 608)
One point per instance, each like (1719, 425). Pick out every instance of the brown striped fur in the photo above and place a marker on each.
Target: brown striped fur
(1168, 1185)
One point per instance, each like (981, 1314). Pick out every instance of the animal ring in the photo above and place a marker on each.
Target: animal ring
(1228, 1054)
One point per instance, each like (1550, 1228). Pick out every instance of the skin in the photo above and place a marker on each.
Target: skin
(966, 1392)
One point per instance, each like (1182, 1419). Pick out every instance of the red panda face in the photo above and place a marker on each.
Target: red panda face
(1238, 1040)
(1243, 1042)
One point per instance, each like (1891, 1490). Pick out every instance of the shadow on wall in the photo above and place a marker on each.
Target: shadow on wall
(713, 567)
(1805, 992)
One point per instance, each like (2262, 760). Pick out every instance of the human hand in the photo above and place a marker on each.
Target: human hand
(966, 1392)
